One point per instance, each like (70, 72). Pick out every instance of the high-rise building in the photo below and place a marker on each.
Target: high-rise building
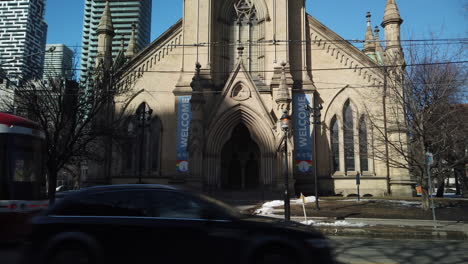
(23, 33)
(58, 62)
(124, 14)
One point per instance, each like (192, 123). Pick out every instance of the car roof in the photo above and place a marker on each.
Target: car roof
(122, 187)
(127, 187)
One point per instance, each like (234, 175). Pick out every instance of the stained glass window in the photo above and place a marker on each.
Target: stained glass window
(363, 155)
(335, 139)
(348, 133)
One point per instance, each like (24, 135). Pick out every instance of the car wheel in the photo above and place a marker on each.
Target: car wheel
(71, 254)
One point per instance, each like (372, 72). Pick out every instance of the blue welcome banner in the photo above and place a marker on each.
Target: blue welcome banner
(184, 116)
(302, 135)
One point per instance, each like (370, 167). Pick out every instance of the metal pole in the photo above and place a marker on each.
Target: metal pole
(358, 194)
(142, 142)
(315, 169)
(287, 209)
(432, 197)
(358, 184)
(317, 207)
(109, 140)
(387, 158)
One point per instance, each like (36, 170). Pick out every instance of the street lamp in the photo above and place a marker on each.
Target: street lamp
(143, 115)
(285, 119)
(315, 113)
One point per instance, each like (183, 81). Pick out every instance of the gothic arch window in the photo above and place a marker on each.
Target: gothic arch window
(246, 29)
(150, 155)
(335, 145)
(363, 143)
(348, 136)
(129, 147)
(155, 144)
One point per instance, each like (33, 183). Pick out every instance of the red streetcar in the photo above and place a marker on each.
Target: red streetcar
(22, 174)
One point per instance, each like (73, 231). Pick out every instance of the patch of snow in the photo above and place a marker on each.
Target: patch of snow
(337, 223)
(264, 211)
(274, 203)
(267, 208)
(354, 200)
(404, 203)
(308, 199)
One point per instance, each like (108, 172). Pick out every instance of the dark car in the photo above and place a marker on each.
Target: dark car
(164, 224)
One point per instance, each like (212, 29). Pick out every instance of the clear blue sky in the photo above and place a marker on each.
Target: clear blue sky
(445, 18)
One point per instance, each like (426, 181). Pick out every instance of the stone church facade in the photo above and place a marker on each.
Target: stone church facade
(220, 79)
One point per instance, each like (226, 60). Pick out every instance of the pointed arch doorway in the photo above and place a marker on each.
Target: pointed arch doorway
(240, 161)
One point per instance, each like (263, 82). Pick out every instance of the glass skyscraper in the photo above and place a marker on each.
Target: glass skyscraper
(58, 63)
(23, 33)
(124, 13)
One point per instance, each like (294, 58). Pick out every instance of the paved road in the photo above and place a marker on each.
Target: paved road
(352, 250)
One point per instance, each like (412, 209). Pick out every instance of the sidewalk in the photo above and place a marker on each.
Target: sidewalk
(387, 228)
(378, 227)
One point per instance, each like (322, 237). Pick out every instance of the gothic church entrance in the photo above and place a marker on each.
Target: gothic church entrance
(240, 161)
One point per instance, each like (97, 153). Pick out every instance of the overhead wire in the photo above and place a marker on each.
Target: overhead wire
(272, 41)
(294, 70)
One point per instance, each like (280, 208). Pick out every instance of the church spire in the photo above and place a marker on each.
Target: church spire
(105, 32)
(105, 24)
(120, 58)
(132, 48)
(391, 24)
(392, 14)
(379, 52)
(369, 44)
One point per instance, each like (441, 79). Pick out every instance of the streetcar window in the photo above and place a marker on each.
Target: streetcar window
(3, 169)
(22, 173)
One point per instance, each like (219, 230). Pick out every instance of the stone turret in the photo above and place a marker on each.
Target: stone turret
(196, 139)
(105, 32)
(132, 47)
(379, 52)
(283, 98)
(391, 24)
(369, 43)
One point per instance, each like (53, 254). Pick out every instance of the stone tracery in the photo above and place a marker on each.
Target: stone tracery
(245, 9)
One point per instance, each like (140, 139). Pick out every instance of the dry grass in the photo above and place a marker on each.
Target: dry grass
(339, 208)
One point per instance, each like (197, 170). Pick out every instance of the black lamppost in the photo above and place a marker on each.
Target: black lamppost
(143, 115)
(285, 119)
(315, 113)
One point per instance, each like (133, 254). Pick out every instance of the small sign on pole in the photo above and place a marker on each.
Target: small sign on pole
(429, 158)
(303, 199)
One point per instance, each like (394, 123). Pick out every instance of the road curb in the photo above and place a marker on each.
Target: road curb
(391, 233)
(386, 231)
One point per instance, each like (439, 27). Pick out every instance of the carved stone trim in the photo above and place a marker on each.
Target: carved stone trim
(241, 93)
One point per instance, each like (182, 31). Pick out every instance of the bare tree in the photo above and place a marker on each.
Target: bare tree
(420, 114)
(78, 121)
(453, 148)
